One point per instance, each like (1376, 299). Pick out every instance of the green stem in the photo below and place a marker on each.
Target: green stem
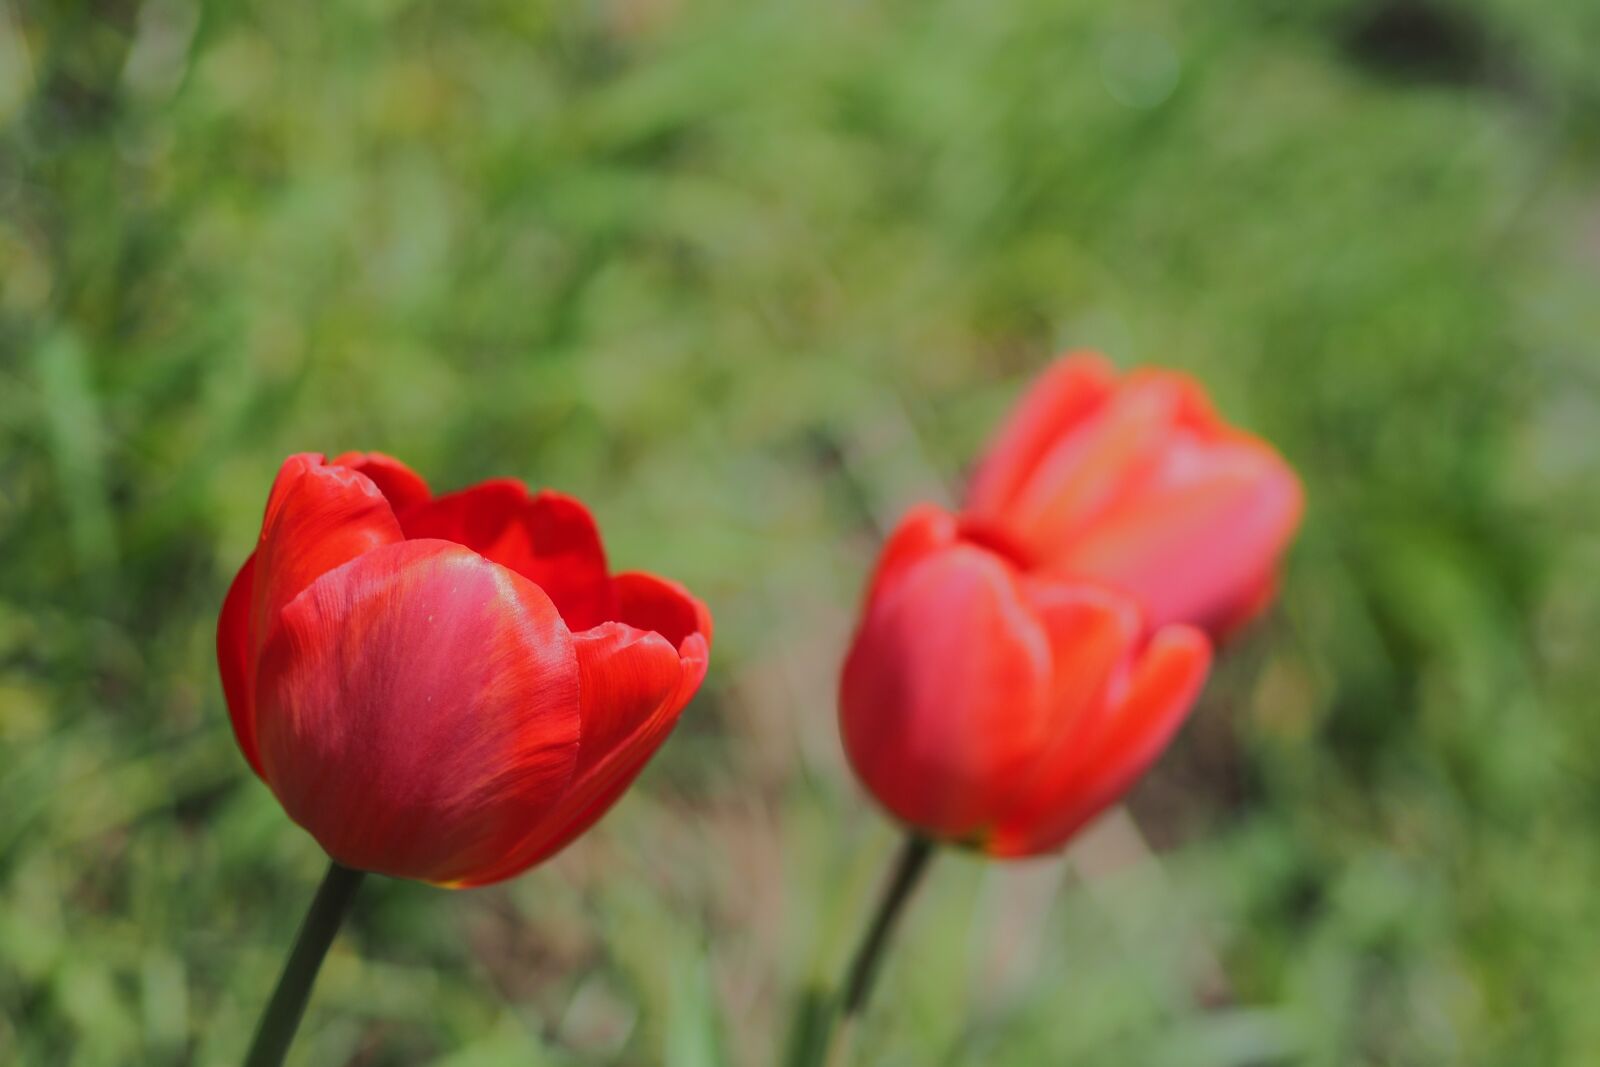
(288, 1003)
(909, 867)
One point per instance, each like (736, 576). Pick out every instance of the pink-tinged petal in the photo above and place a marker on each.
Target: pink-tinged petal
(1088, 468)
(234, 655)
(647, 602)
(548, 538)
(418, 709)
(1192, 408)
(945, 697)
(403, 487)
(318, 517)
(633, 689)
(1111, 758)
(1195, 539)
(1066, 393)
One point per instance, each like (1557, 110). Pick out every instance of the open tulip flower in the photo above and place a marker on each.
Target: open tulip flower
(1137, 483)
(990, 707)
(1019, 666)
(448, 689)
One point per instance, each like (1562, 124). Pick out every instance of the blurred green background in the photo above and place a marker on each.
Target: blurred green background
(750, 277)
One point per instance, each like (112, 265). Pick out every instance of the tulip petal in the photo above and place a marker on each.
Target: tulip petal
(1158, 697)
(1066, 393)
(638, 675)
(1092, 465)
(627, 675)
(1192, 408)
(418, 709)
(1198, 536)
(925, 529)
(234, 656)
(401, 486)
(483, 517)
(634, 686)
(945, 696)
(1093, 633)
(568, 560)
(318, 517)
(606, 780)
(548, 538)
(647, 602)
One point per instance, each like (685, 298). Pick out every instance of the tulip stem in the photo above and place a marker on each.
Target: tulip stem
(282, 1017)
(909, 867)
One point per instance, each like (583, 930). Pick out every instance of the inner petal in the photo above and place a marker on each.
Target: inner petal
(548, 538)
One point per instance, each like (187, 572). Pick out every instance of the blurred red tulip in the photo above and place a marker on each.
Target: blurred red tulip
(1138, 484)
(446, 688)
(986, 705)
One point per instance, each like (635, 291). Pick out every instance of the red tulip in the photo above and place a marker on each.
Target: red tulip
(1138, 484)
(446, 688)
(987, 705)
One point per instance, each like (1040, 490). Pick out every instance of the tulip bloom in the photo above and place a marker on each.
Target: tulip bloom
(446, 688)
(1136, 483)
(988, 706)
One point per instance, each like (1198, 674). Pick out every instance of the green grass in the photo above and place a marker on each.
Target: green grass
(750, 277)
